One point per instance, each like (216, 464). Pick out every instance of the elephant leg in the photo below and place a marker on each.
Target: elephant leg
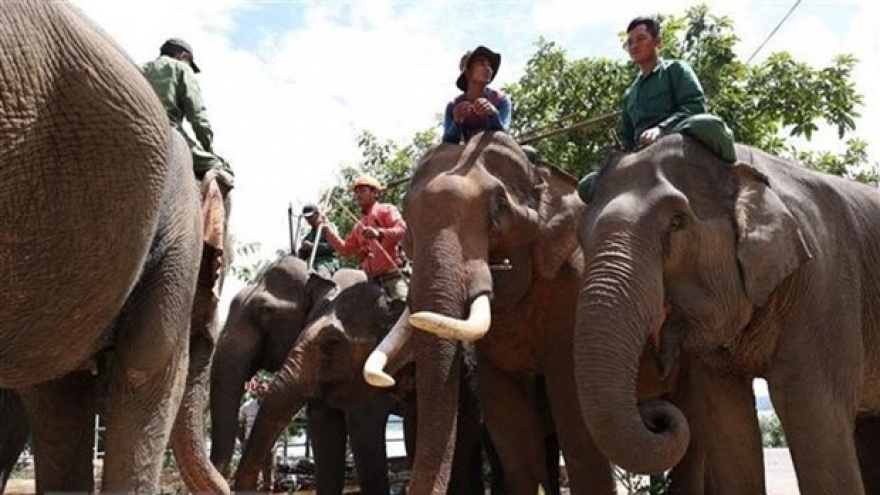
(14, 433)
(588, 470)
(519, 437)
(497, 484)
(62, 414)
(721, 413)
(466, 477)
(823, 452)
(551, 441)
(147, 376)
(366, 430)
(867, 437)
(328, 433)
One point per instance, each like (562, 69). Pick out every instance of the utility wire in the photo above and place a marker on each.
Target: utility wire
(796, 3)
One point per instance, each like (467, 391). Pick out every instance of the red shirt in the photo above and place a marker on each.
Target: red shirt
(375, 260)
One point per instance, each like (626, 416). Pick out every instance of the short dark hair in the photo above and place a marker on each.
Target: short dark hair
(650, 24)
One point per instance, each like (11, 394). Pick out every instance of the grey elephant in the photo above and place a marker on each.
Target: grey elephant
(324, 369)
(100, 256)
(264, 321)
(757, 269)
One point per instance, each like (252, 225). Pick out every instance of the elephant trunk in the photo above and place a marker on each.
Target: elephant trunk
(447, 277)
(291, 387)
(188, 434)
(621, 305)
(231, 368)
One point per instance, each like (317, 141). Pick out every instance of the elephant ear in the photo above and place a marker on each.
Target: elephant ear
(559, 210)
(770, 246)
(319, 293)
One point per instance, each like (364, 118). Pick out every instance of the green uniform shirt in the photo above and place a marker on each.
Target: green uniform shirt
(664, 97)
(326, 254)
(176, 85)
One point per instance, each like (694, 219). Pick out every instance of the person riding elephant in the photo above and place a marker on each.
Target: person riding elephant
(375, 238)
(479, 107)
(666, 97)
(173, 77)
(101, 258)
(762, 268)
(317, 250)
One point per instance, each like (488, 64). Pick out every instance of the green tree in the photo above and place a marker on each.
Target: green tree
(248, 260)
(764, 104)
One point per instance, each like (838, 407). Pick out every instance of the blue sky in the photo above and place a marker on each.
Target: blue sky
(289, 84)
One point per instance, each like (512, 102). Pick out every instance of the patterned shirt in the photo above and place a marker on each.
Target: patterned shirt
(376, 256)
(472, 124)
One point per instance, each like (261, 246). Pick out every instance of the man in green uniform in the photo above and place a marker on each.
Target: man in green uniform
(326, 262)
(172, 76)
(665, 97)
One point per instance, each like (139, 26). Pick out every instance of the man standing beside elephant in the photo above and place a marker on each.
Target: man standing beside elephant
(172, 76)
(316, 247)
(375, 238)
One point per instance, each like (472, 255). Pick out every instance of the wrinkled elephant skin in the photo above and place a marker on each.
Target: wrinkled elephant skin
(498, 208)
(756, 269)
(100, 253)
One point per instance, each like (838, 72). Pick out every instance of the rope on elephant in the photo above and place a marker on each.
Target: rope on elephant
(574, 127)
(531, 137)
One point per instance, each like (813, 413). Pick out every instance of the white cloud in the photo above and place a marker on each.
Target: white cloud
(287, 107)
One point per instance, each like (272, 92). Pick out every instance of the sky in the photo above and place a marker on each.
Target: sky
(289, 84)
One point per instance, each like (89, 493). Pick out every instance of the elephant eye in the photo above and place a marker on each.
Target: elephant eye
(677, 222)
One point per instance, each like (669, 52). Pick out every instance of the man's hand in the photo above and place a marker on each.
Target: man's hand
(649, 136)
(307, 245)
(371, 233)
(461, 110)
(484, 107)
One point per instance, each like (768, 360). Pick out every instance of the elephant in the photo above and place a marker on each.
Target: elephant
(263, 322)
(760, 268)
(14, 433)
(102, 239)
(323, 369)
(507, 234)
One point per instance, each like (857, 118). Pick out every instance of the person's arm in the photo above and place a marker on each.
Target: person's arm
(687, 93)
(346, 247)
(501, 120)
(392, 227)
(195, 111)
(451, 130)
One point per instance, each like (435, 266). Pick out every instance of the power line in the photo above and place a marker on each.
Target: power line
(796, 3)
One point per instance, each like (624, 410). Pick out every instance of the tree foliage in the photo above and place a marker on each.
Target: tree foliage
(764, 104)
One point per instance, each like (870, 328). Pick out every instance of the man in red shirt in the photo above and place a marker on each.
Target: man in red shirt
(375, 238)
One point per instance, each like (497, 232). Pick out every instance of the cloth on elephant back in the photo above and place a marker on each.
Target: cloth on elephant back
(214, 227)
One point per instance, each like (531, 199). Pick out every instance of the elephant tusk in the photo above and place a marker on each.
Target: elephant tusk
(472, 329)
(374, 368)
(504, 265)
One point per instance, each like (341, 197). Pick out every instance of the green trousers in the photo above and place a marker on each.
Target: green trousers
(706, 128)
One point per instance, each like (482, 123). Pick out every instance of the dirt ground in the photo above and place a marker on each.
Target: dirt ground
(777, 464)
